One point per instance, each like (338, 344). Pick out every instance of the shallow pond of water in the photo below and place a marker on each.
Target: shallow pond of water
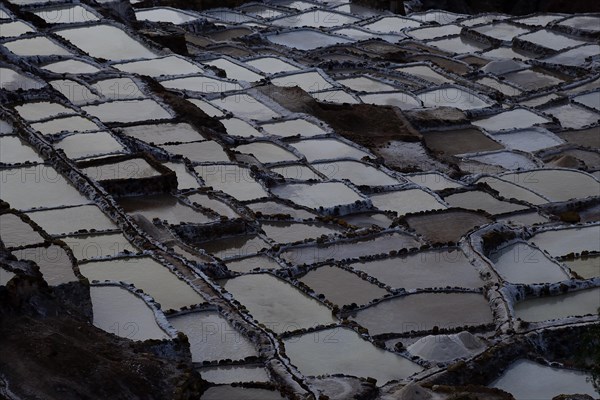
(586, 267)
(77, 93)
(118, 311)
(529, 140)
(266, 152)
(356, 172)
(458, 45)
(66, 15)
(278, 305)
(153, 278)
(316, 195)
(62, 221)
(164, 207)
(66, 124)
(237, 127)
(504, 159)
(233, 180)
(164, 14)
(425, 72)
(316, 19)
(5, 276)
(307, 81)
(14, 29)
(202, 84)
(324, 149)
(337, 351)
(476, 200)
(551, 40)
(526, 380)
(54, 262)
(502, 31)
(271, 65)
(235, 246)
(212, 337)
(36, 111)
(243, 105)
(291, 232)
(562, 242)
(509, 190)
(292, 128)
(433, 181)
(13, 150)
(170, 65)
(15, 232)
(423, 311)
(366, 84)
(234, 373)
(35, 46)
(71, 67)
(573, 116)
(402, 100)
(391, 24)
(296, 171)
(83, 145)
(159, 134)
(275, 208)
(367, 220)
(207, 151)
(235, 71)
(213, 204)
(248, 264)
(453, 97)
(12, 80)
(306, 39)
(128, 111)
(115, 44)
(573, 184)
(135, 168)
(427, 269)
(98, 246)
(580, 302)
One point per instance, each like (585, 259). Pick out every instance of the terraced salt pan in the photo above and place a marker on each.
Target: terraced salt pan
(522, 263)
(510, 120)
(118, 89)
(582, 22)
(66, 124)
(562, 242)
(201, 84)
(250, 263)
(234, 373)
(213, 204)
(276, 208)
(502, 31)
(427, 269)
(336, 351)
(71, 67)
(391, 24)
(118, 311)
(146, 274)
(526, 379)
(423, 311)
(261, 11)
(38, 186)
(368, 220)
(363, 34)
(266, 152)
(509, 190)
(164, 207)
(207, 151)
(539, 309)
(128, 111)
(14, 29)
(335, 96)
(482, 19)
(212, 337)
(307, 81)
(572, 116)
(170, 65)
(505, 159)
(238, 127)
(77, 93)
(297, 171)
(458, 45)
(529, 140)
(574, 57)
(115, 45)
(293, 127)
(243, 105)
(290, 232)
(271, 65)
(444, 348)
(13, 151)
(55, 265)
(231, 179)
(316, 19)
(35, 46)
(341, 287)
(235, 71)
(234, 246)
(551, 40)
(325, 194)
(402, 100)
(89, 144)
(433, 181)
(62, 221)
(573, 184)
(278, 305)
(345, 250)
(356, 172)
(11, 80)
(453, 97)
(66, 15)
(164, 14)
(591, 100)
(135, 168)
(16, 232)
(524, 219)
(98, 246)
(163, 133)
(208, 108)
(586, 267)
(306, 39)
(477, 200)
(434, 32)
(36, 111)
(539, 19)
(327, 149)
(503, 88)
(406, 201)
(366, 84)
(425, 72)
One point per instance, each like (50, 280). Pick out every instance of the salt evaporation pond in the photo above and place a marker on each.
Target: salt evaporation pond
(118, 311)
(234, 246)
(266, 152)
(326, 149)
(271, 65)
(233, 180)
(526, 380)
(453, 97)
(509, 120)
(326, 194)
(308, 81)
(343, 351)
(539, 309)
(306, 39)
(207, 151)
(238, 127)
(248, 264)
(406, 201)
(128, 111)
(12, 80)
(234, 373)
(16, 232)
(586, 267)
(565, 241)
(291, 232)
(573, 184)
(164, 14)
(423, 311)
(88, 247)
(477, 200)
(315, 19)
(54, 262)
(522, 263)
(356, 172)
(277, 304)
(428, 269)
(212, 337)
(35, 46)
(115, 44)
(71, 67)
(13, 150)
(72, 219)
(341, 287)
(170, 65)
(293, 127)
(153, 278)
(244, 105)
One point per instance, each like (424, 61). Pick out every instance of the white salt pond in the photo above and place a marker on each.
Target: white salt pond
(235, 246)
(406, 201)
(134, 168)
(244, 105)
(425, 72)
(271, 65)
(266, 152)
(453, 97)
(128, 111)
(290, 232)
(98, 246)
(163, 133)
(356, 172)
(564, 241)
(297, 171)
(477, 200)
(526, 380)
(509, 120)
(510, 190)
(5, 276)
(315, 19)
(573, 116)
(444, 348)
(212, 337)
(71, 66)
(391, 24)
(307, 81)
(238, 127)
(248, 264)
(231, 179)
(206, 151)
(15, 232)
(62, 221)
(573, 184)
(89, 144)
(433, 181)
(277, 304)
(66, 15)
(293, 127)
(326, 149)
(164, 14)
(35, 46)
(153, 278)
(366, 84)
(306, 39)
(170, 65)
(586, 267)
(54, 262)
(427, 269)
(529, 140)
(234, 373)
(36, 111)
(325, 194)
(11, 80)
(423, 311)
(13, 150)
(402, 100)
(202, 84)
(343, 351)
(66, 124)
(522, 263)
(118, 311)
(539, 309)
(164, 207)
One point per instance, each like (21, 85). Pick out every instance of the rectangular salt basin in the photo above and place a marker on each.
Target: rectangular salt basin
(291, 232)
(243, 105)
(266, 152)
(66, 15)
(366, 84)
(11, 80)
(293, 127)
(235, 71)
(98, 246)
(15, 232)
(67, 124)
(35, 46)
(529, 140)
(315, 19)
(14, 29)
(71, 67)
(356, 172)
(207, 151)
(39, 186)
(160, 134)
(575, 303)
(308, 81)
(425, 72)
(551, 40)
(164, 14)
(63, 221)
(391, 24)
(277, 304)
(407, 201)
(89, 144)
(54, 262)
(326, 149)
(233, 180)
(164, 207)
(238, 127)
(77, 93)
(573, 184)
(325, 195)
(502, 31)
(306, 39)
(153, 278)
(36, 111)
(13, 151)
(453, 97)
(565, 241)
(201, 84)
(118, 89)
(271, 65)
(434, 32)
(458, 45)
(572, 116)
(234, 373)
(114, 44)
(170, 65)
(128, 111)
(509, 120)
